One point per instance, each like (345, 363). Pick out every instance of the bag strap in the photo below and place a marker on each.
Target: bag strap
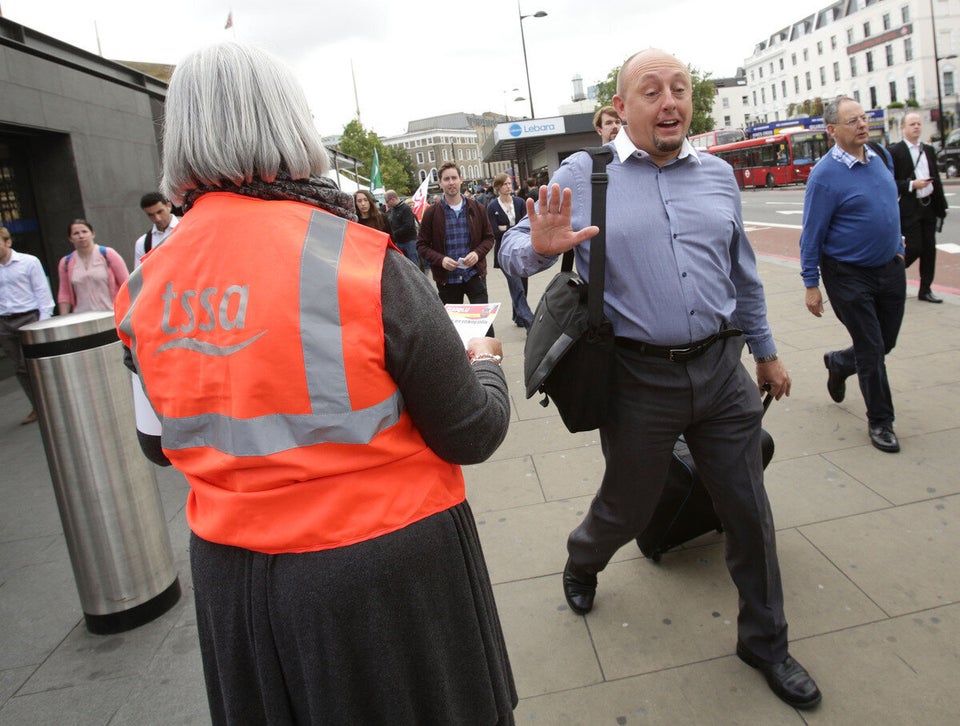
(601, 155)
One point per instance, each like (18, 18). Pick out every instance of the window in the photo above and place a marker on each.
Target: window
(869, 55)
(905, 14)
(771, 68)
(763, 95)
(751, 76)
(912, 88)
(948, 83)
(823, 76)
(781, 64)
(422, 174)
(873, 96)
(793, 58)
(431, 156)
(807, 78)
(460, 157)
(725, 103)
(833, 42)
(893, 91)
(849, 36)
(908, 49)
(819, 47)
(853, 66)
(889, 51)
(856, 96)
(806, 54)
(445, 157)
(836, 70)
(433, 175)
(754, 98)
(760, 69)
(783, 87)
(866, 29)
(744, 100)
(886, 21)
(773, 92)
(419, 157)
(796, 84)
(726, 121)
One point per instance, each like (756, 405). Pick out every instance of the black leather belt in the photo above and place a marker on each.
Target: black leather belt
(17, 315)
(679, 353)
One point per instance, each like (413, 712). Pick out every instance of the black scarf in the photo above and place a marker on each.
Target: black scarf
(317, 190)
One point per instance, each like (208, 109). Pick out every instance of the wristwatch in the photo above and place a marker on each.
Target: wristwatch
(766, 358)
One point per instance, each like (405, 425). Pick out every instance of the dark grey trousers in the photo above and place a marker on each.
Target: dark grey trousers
(715, 403)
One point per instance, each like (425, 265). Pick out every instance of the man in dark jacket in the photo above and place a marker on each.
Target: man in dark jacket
(403, 226)
(922, 202)
(455, 237)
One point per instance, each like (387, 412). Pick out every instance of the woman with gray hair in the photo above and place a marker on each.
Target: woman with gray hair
(337, 569)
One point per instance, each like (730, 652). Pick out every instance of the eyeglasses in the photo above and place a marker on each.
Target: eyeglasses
(855, 121)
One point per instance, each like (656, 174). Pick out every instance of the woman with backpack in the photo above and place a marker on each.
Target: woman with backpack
(90, 275)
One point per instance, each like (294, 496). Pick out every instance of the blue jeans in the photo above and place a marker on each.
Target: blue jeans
(869, 301)
(409, 250)
(522, 314)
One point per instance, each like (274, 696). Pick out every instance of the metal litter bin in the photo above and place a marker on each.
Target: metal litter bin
(106, 489)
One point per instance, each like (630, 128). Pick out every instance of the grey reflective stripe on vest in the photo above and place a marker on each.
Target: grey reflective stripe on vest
(331, 419)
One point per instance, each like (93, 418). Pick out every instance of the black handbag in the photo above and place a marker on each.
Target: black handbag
(569, 354)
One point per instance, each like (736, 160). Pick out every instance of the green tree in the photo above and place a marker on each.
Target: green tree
(396, 167)
(703, 93)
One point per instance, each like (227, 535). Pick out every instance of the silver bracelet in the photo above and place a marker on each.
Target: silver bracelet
(487, 356)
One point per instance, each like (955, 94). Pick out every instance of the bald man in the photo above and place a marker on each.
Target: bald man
(683, 295)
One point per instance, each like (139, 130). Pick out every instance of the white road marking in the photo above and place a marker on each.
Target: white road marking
(950, 247)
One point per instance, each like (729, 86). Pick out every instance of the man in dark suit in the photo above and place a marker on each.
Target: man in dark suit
(922, 202)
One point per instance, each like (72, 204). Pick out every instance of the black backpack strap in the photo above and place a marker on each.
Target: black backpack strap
(148, 240)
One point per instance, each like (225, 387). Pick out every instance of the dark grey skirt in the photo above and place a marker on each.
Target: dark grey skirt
(402, 629)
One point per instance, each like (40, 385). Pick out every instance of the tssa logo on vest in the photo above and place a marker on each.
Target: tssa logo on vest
(527, 129)
(214, 312)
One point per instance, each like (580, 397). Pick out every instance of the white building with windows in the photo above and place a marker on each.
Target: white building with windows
(876, 51)
(457, 137)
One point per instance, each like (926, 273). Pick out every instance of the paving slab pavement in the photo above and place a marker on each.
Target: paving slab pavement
(868, 544)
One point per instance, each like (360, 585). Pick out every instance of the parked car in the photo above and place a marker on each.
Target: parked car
(948, 158)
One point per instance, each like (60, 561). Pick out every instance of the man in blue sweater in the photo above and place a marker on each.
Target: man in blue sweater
(851, 237)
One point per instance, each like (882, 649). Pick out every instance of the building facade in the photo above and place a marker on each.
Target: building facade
(879, 52)
(457, 137)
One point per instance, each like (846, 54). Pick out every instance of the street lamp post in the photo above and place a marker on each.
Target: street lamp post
(523, 42)
(937, 59)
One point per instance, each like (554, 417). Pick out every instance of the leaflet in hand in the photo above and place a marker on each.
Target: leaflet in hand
(472, 321)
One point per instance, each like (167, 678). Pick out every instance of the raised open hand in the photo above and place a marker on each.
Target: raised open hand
(550, 230)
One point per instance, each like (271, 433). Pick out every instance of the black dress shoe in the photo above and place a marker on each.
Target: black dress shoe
(928, 296)
(789, 680)
(884, 439)
(836, 383)
(579, 588)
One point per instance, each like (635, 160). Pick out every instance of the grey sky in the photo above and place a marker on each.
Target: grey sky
(423, 58)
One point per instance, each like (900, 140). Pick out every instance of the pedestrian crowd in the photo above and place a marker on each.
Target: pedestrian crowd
(320, 404)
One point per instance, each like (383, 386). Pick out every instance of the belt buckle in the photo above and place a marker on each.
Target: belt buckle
(678, 355)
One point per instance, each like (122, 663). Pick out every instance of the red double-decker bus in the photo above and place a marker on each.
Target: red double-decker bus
(702, 142)
(770, 161)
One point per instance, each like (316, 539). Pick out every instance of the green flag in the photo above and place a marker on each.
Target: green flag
(376, 180)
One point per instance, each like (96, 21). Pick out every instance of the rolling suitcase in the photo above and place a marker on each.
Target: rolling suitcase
(685, 509)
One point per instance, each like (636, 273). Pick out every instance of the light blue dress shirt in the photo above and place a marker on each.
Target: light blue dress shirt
(679, 264)
(24, 287)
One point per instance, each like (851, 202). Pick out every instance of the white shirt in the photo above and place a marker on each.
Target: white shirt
(921, 169)
(157, 238)
(24, 286)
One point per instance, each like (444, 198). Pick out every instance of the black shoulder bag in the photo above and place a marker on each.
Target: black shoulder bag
(569, 354)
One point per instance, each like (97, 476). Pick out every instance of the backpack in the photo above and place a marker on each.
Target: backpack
(148, 241)
(103, 251)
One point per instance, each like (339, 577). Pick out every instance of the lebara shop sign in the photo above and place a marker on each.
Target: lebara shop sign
(529, 129)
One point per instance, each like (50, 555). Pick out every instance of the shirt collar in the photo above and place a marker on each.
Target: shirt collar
(625, 148)
(848, 159)
(14, 256)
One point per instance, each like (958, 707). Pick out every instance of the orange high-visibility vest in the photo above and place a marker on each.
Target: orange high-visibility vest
(258, 335)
